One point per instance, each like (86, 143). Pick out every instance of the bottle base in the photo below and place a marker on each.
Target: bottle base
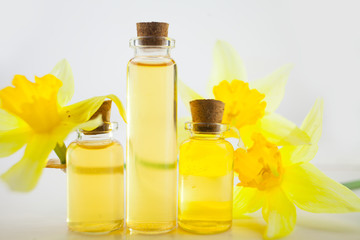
(95, 227)
(151, 228)
(205, 227)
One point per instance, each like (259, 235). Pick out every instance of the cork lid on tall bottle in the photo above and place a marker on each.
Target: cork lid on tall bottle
(208, 112)
(105, 111)
(153, 32)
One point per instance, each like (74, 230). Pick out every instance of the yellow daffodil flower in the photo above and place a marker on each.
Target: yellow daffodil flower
(277, 180)
(248, 106)
(34, 114)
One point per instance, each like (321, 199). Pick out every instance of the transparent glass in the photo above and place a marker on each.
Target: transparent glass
(151, 138)
(205, 180)
(95, 178)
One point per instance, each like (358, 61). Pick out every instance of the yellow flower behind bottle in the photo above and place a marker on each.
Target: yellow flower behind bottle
(249, 107)
(243, 106)
(34, 114)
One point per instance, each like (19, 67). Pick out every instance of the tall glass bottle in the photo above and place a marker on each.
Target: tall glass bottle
(151, 136)
(205, 176)
(95, 177)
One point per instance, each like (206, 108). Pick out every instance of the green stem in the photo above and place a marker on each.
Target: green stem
(60, 151)
(352, 184)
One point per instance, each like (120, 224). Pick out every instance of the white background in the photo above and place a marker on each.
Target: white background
(321, 38)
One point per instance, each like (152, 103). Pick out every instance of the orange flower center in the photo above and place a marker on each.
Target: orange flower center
(35, 103)
(243, 106)
(260, 166)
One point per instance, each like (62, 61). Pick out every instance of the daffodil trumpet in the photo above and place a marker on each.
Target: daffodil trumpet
(35, 114)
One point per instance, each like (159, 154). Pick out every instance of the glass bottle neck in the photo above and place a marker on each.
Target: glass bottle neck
(152, 51)
(208, 131)
(206, 136)
(152, 46)
(95, 137)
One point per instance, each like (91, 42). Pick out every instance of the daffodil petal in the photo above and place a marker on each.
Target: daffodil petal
(9, 121)
(312, 125)
(279, 213)
(246, 200)
(227, 65)
(182, 134)
(246, 133)
(11, 141)
(187, 94)
(63, 72)
(298, 154)
(235, 133)
(273, 86)
(24, 175)
(312, 191)
(90, 125)
(287, 154)
(119, 105)
(68, 126)
(82, 111)
(281, 131)
(14, 133)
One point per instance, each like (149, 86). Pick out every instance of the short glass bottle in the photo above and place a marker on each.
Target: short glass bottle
(205, 180)
(95, 178)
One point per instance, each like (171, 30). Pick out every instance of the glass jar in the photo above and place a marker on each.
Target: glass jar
(151, 136)
(95, 180)
(206, 180)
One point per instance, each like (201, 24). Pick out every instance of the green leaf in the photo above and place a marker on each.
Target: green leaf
(352, 184)
(60, 150)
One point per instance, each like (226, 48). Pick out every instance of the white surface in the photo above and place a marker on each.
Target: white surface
(41, 215)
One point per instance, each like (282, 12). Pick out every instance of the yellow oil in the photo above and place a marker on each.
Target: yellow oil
(95, 172)
(205, 185)
(151, 146)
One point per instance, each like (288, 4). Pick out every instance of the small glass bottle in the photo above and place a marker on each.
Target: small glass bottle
(151, 175)
(95, 177)
(206, 172)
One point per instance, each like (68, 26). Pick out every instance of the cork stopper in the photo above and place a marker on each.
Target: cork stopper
(105, 111)
(207, 111)
(153, 30)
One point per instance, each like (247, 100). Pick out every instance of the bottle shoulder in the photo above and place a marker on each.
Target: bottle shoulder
(206, 141)
(151, 61)
(194, 144)
(95, 144)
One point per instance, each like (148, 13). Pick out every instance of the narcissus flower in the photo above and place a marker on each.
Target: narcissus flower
(277, 180)
(34, 114)
(249, 107)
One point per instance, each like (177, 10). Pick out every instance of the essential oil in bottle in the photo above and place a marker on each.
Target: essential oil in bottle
(206, 171)
(151, 141)
(95, 176)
